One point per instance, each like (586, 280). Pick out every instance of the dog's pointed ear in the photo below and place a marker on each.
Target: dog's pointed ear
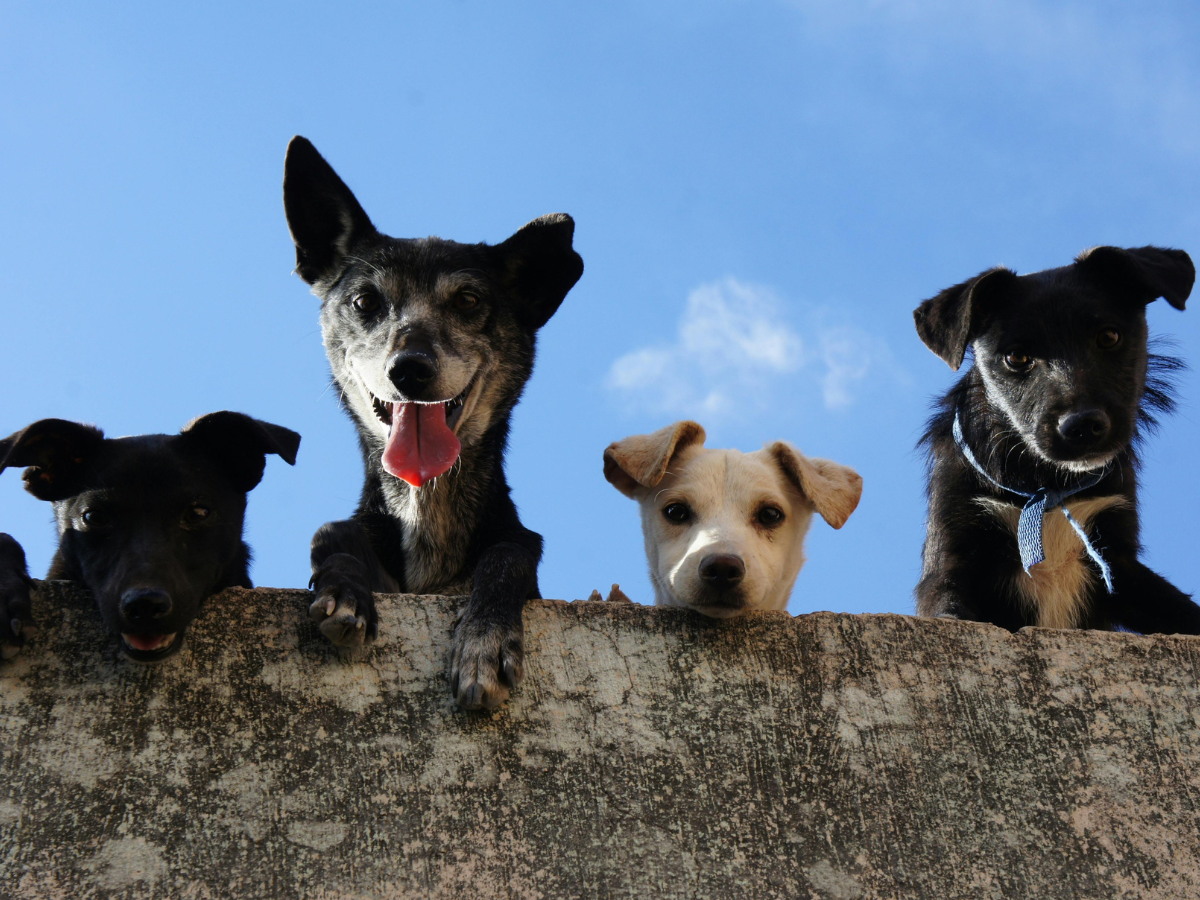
(56, 453)
(540, 266)
(323, 215)
(641, 461)
(1145, 273)
(239, 444)
(946, 322)
(833, 489)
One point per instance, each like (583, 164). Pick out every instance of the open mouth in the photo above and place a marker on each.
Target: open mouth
(421, 442)
(454, 408)
(148, 647)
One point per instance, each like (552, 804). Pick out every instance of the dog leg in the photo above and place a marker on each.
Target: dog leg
(972, 588)
(346, 573)
(488, 659)
(937, 597)
(16, 615)
(1146, 602)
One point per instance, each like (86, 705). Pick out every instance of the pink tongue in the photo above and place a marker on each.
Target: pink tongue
(420, 446)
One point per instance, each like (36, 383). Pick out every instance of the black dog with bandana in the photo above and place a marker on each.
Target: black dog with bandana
(1046, 421)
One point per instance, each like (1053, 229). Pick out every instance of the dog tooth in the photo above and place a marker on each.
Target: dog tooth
(330, 606)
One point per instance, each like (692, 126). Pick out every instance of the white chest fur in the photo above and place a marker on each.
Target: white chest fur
(1056, 588)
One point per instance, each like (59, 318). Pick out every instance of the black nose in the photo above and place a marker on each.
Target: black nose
(722, 570)
(1084, 429)
(145, 604)
(412, 369)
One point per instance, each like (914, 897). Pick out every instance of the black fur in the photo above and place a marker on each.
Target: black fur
(468, 315)
(1022, 421)
(151, 524)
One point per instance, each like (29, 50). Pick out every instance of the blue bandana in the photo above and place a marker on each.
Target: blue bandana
(1029, 529)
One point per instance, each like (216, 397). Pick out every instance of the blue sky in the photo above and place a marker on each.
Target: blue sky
(763, 191)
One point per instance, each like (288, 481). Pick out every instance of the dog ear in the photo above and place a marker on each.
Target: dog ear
(832, 488)
(641, 461)
(946, 322)
(1145, 272)
(323, 215)
(239, 444)
(56, 452)
(540, 266)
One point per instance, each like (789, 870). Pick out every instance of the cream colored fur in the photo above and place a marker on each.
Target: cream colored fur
(1056, 588)
(725, 489)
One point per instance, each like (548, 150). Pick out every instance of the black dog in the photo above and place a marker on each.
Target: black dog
(1048, 418)
(430, 343)
(150, 524)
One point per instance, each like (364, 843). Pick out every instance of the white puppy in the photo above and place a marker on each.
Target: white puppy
(725, 530)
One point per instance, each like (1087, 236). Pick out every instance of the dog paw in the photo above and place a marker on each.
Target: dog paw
(488, 662)
(16, 607)
(343, 606)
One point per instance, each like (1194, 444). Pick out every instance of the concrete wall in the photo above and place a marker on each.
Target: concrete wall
(649, 753)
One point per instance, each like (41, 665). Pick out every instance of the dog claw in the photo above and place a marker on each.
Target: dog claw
(471, 698)
(513, 672)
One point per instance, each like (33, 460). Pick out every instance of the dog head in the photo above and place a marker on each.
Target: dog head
(149, 524)
(1061, 353)
(431, 341)
(725, 530)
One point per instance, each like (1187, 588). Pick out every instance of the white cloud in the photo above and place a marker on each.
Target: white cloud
(735, 351)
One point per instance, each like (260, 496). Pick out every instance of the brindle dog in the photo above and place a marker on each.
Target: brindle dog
(430, 342)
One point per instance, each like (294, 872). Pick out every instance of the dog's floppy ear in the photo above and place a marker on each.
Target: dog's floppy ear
(540, 266)
(641, 461)
(945, 322)
(239, 444)
(323, 215)
(832, 488)
(56, 452)
(1145, 272)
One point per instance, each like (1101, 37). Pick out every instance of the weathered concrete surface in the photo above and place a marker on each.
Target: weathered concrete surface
(650, 753)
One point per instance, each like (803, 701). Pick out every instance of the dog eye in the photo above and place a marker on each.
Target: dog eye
(677, 513)
(196, 515)
(769, 516)
(465, 301)
(94, 519)
(366, 303)
(1018, 362)
(1108, 338)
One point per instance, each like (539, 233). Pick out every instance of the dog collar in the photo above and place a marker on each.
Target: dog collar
(1029, 528)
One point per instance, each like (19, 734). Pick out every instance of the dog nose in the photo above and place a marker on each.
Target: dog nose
(144, 604)
(1086, 428)
(411, 369)
(722, 570)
